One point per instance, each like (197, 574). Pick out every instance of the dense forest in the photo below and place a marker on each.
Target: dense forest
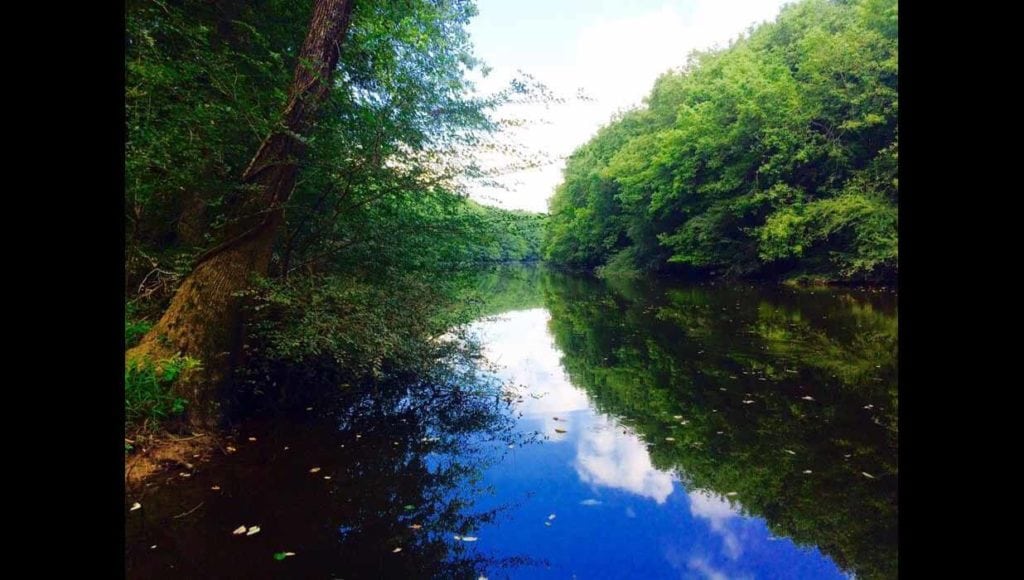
(288, 203)
(773, 158)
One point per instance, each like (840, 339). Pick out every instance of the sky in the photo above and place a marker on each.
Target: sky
(611, 50)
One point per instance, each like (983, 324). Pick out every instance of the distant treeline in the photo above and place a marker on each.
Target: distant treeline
(504, 235)
(775, 157)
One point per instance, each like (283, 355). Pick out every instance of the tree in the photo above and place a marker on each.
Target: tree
(203, 320)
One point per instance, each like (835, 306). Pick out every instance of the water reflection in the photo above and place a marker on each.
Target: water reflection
(765, 415)
(685, 431)
(369, 483)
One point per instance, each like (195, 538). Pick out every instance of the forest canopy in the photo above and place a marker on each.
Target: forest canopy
(774, 157)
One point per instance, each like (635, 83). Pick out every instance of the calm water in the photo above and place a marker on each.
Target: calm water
(643, 431)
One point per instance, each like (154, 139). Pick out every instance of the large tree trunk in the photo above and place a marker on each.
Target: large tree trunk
(203, 319)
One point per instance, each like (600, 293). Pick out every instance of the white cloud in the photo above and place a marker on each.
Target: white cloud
(615, 61)
(519, 342)
(606, 457)
(717, 511)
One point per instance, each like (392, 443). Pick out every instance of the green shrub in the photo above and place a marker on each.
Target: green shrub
(148, 400)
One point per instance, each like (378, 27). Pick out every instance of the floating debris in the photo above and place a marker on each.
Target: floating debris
(557, 430)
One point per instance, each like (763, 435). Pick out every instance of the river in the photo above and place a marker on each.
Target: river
(624, 430)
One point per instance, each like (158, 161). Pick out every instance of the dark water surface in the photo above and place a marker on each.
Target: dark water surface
(645, 431)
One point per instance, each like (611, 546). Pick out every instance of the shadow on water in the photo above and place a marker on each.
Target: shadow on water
(783, 402)
(368, 483)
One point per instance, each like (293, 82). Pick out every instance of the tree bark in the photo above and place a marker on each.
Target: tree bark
(204, 317)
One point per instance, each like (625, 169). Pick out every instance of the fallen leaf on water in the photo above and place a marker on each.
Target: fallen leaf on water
(396, 550)
(135, 506)
(559, 430)
(414, 526)
(239, 530)
(282, 555)
(867, 475)
(253, 531)
(314, 470)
